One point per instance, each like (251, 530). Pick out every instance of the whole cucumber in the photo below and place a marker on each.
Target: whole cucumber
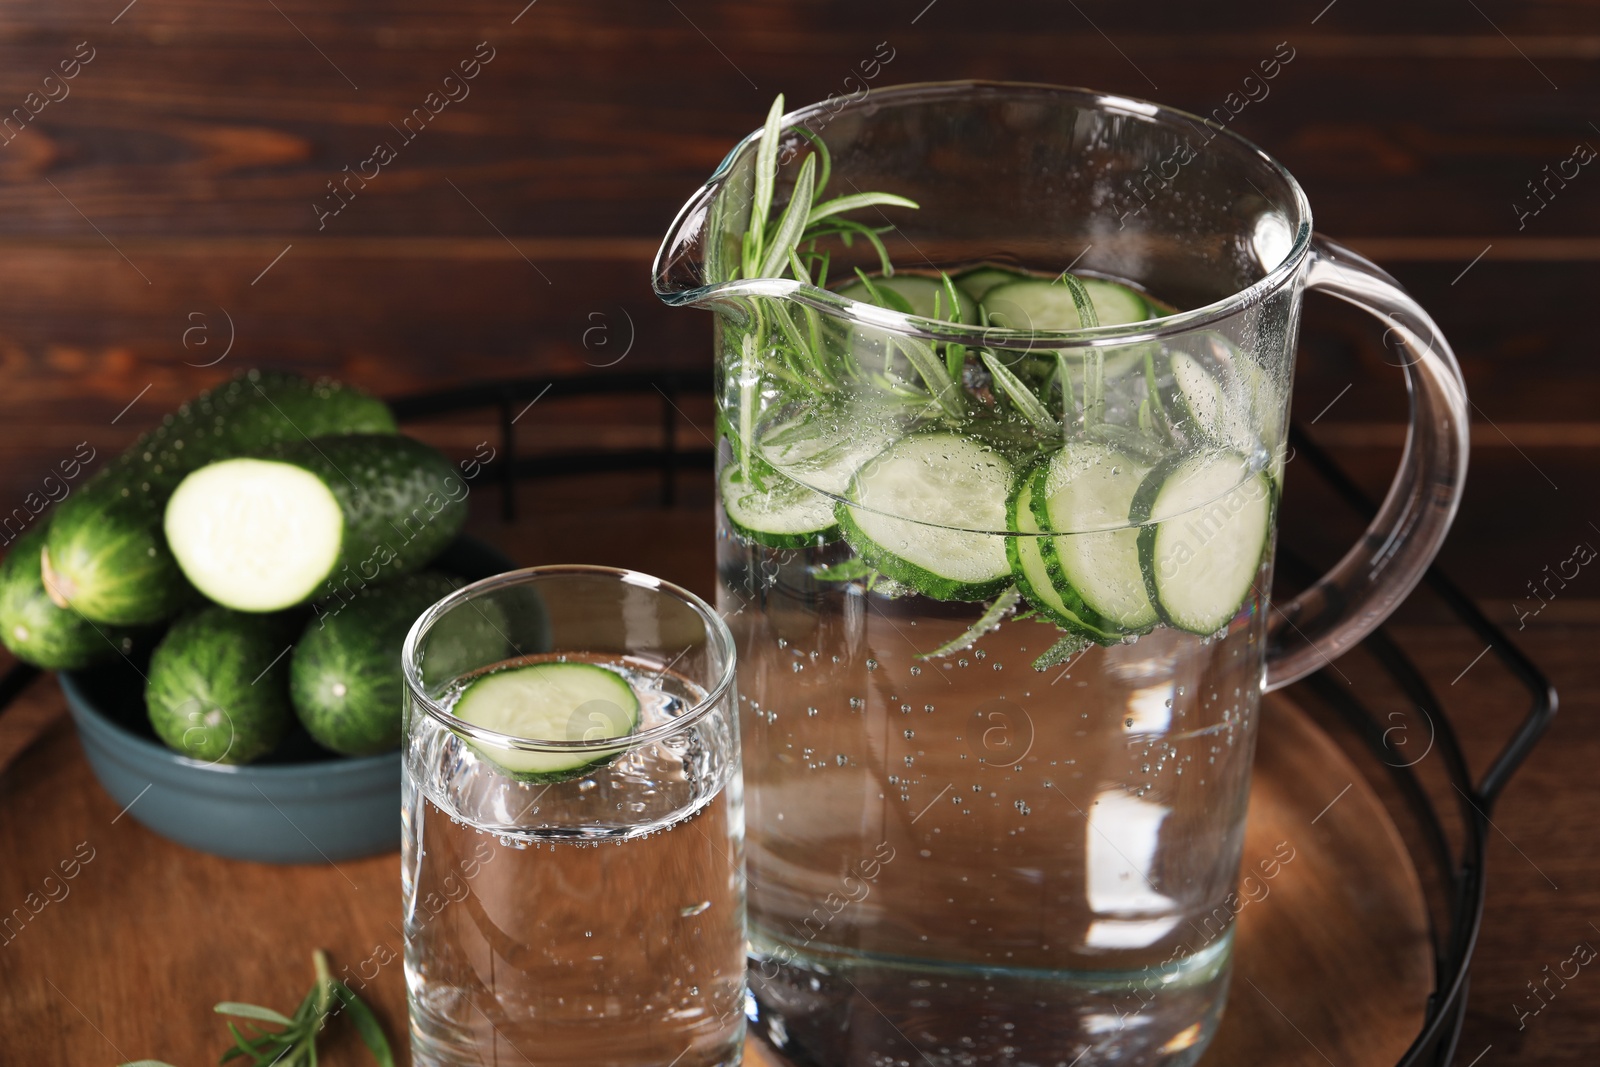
(344, 676)
(218, 687)
(40, 632)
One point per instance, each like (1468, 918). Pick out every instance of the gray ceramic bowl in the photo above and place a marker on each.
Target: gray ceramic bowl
(302, 804)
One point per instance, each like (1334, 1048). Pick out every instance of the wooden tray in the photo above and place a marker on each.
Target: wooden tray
(1333, 960)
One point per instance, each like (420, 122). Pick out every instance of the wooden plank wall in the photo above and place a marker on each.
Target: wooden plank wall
(161, 201)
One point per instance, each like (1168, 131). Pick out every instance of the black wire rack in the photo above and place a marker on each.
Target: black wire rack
(1441, 812)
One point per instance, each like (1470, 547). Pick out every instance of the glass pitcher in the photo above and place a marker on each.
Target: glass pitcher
(1000, 450)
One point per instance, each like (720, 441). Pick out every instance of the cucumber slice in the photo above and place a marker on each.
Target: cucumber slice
(977, 282)
(779, 514)
(1212, 405)
(1060, 604)
(1088, 486)
(550, 702)
(1210, 522)
(1035, 304)
(957, 487)
(1041, 305)
(822, 449)
(918, 291)
(329, 513)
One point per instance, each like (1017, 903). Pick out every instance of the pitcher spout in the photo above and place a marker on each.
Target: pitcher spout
(679, 273)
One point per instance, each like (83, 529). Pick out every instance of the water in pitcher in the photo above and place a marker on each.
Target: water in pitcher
(620, 943)
(998, 768)
(969, 860)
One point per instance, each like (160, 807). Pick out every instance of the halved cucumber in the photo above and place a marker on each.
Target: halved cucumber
(1035, 304)
(1060, 604)
(1210, 520)
(1088, 486)
(977, 282)
(919, 293)
(956, 487)
(780, 513)
(550, 702)
(322, 515)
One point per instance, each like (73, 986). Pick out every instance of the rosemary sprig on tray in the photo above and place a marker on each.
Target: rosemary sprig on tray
(295, 1043)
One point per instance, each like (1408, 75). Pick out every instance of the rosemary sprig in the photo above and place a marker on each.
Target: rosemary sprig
(295, 1043)
(1021, 396)
(992, 617)
(1060, 652)
(1094, 375)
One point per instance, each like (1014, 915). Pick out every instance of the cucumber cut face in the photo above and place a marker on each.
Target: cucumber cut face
(783, 514)
(955, 488)
(1055, 601)
(1089, 487)
(256, 535)
(550, 702)
(1211, 521)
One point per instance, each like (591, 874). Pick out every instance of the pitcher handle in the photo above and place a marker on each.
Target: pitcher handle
(1379, 572)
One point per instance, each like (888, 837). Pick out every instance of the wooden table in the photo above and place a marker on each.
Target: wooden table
(1332, 966)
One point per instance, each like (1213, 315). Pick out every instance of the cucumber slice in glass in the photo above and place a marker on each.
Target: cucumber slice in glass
(779, 513)
(1090, 487)
(1210, 523)
(958, 488)
(550, 702)
(1058, 603)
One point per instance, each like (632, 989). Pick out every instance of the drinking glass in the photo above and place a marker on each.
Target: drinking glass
(999, 754)
(591, 916)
